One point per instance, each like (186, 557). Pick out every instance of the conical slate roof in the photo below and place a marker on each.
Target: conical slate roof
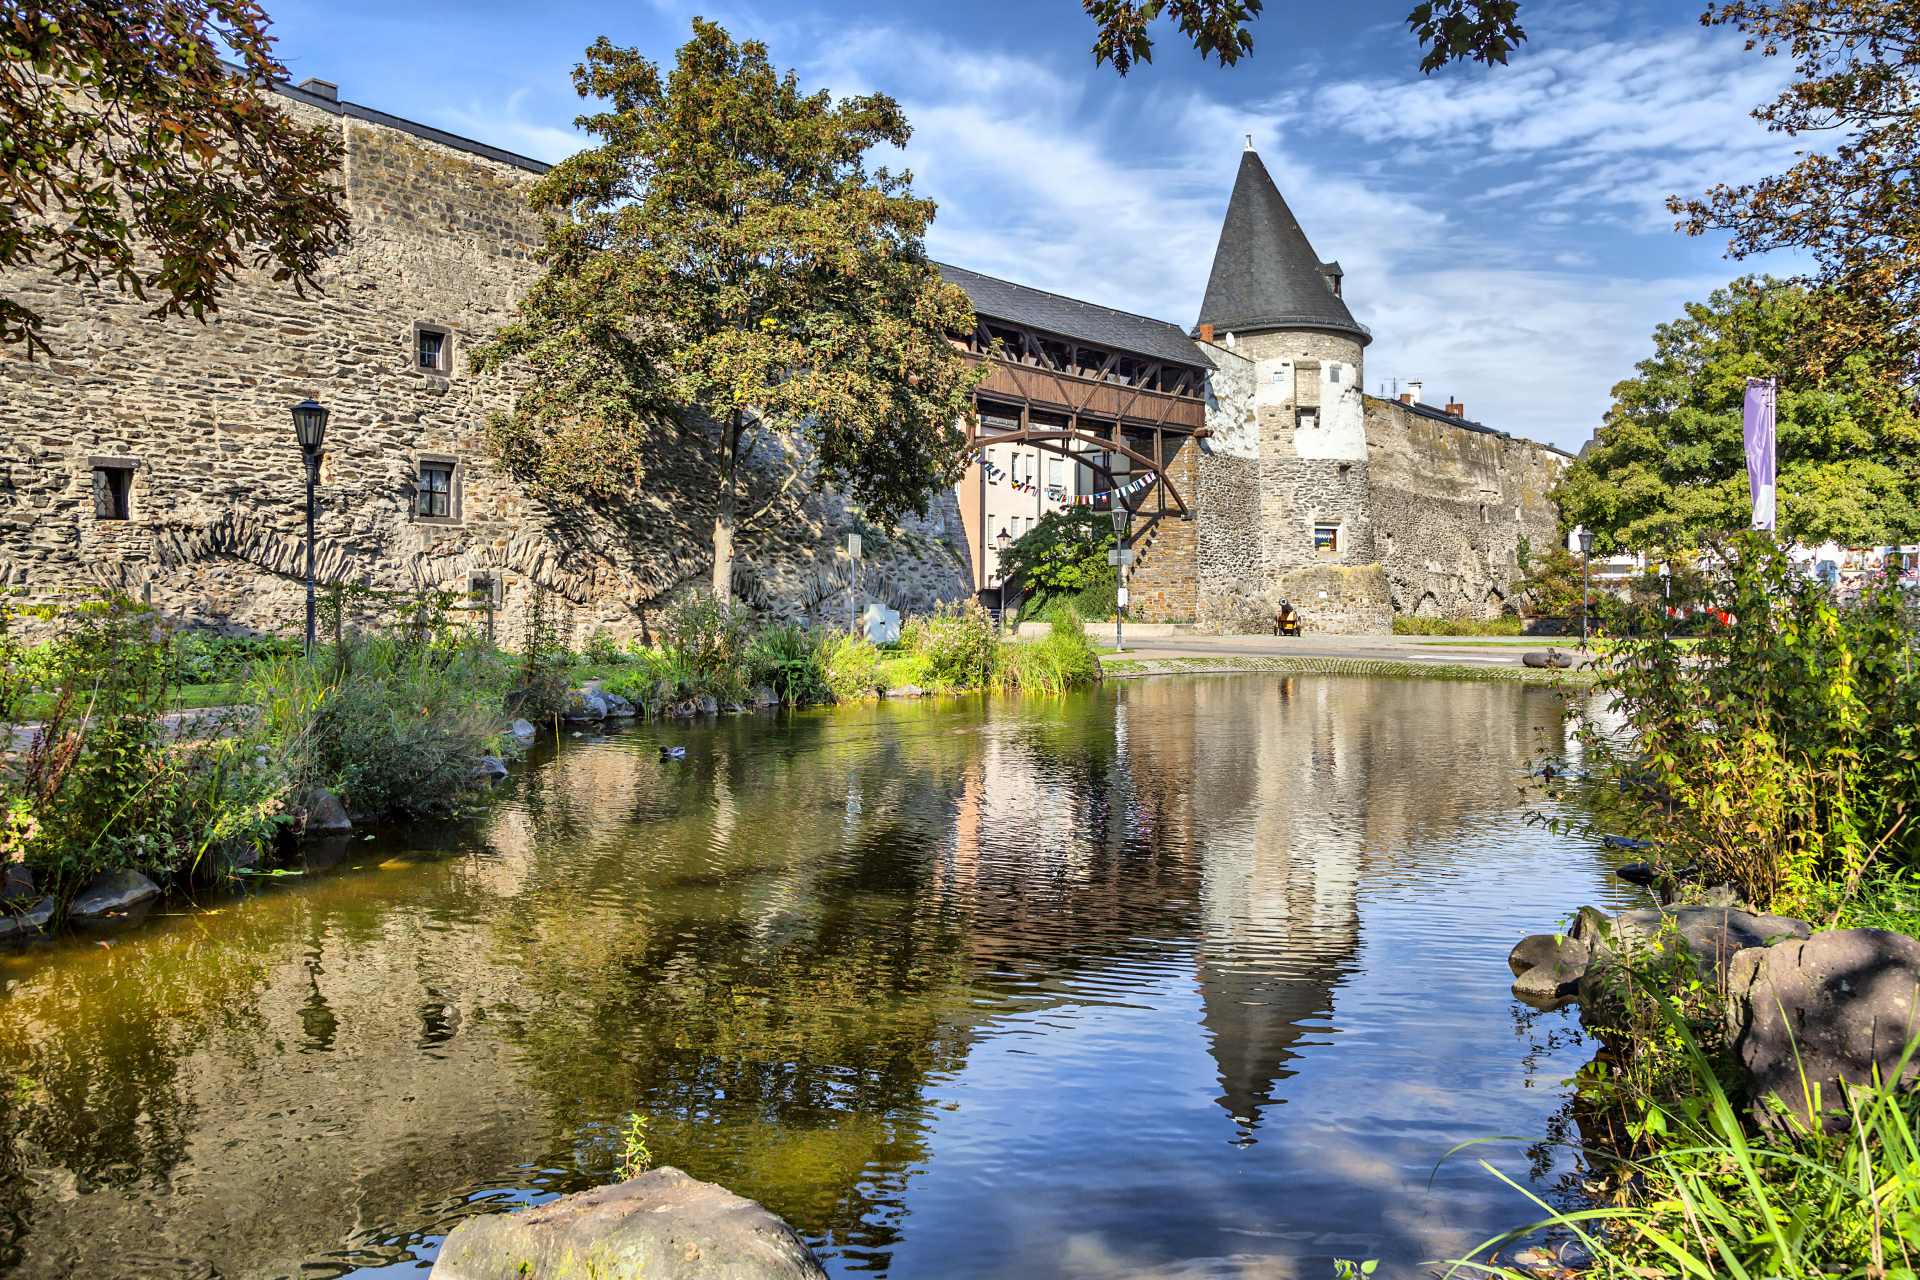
(1265, 273)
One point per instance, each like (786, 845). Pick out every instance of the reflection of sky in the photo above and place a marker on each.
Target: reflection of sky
(1087, 1139)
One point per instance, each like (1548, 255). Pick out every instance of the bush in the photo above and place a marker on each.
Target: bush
(706, 639)
(1781, 753)
(851, 666)
(542, 681)
(958, 644)
(393, 726)
(210, 657)
(790, 660)
(1063, 659)
(104, 784)
(1505, 625)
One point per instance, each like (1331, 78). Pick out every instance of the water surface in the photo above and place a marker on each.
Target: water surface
(1185, 977)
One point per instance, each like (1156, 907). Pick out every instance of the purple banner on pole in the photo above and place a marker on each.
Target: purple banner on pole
(1758, 429)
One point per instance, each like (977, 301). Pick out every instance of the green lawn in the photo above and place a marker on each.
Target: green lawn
(187, 697)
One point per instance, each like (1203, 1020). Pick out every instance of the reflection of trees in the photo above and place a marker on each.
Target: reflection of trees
(770, 948)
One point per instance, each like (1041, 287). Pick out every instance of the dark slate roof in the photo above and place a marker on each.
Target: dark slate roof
(1265, 273)
(1071, 318)
(427, 131)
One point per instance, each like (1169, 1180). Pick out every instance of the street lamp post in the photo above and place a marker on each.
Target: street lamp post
(1001, 543)
(1666, 598)
(310, 429)
(1586, 581)
(1122, 518)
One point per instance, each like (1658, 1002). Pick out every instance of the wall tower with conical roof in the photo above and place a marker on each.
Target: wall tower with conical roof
(1291, 516)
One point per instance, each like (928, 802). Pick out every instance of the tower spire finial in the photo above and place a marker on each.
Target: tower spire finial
(1249, 142)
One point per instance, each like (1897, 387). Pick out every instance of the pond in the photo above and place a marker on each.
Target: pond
(1193, 977)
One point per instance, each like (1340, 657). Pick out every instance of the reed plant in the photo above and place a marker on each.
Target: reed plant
(1063, 659)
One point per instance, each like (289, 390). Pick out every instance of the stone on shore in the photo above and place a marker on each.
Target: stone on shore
(490, 768)
(523, 732)
(662, 1225)
(618, 708)
(1836, 1006)
(1711, 935)
(1547, 968)
(321, 813)
(112, 893)
(765, 697)
(906, 691)
(583, 706)
(1546, 660)
(17, 920)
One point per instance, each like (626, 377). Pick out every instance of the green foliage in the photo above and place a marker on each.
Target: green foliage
(1711, 1200)
(851, 666)
(1781, 752)
(1063, 659)
(1553, 584)
(706, 638)
(1668, 471)
(635, 1156)
(813, 312)
(391, 725)
(1506, 625)
(542, 680)
(958, 643)
(146, 146)
(1062, 555)
(1485, 31)
(209, 657)
(792, 661)
(104, 783)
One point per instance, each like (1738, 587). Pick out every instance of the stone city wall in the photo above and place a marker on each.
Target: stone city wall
(1451, 509)
(441, 237)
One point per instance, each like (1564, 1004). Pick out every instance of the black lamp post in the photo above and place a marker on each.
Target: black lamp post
(1122, 521)
(310, 429)
(1001, 543)
(1666, 598)
(1586, 581)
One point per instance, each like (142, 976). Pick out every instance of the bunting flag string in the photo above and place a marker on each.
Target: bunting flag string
(1105, 498)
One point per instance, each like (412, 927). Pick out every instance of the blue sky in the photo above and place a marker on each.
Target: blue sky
(1503, 231)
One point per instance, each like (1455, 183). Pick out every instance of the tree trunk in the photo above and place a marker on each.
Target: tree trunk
(723, 513)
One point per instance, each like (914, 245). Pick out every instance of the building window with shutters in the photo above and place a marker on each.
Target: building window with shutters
(112, 488)
(436, 490)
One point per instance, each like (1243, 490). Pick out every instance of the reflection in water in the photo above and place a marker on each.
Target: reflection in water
(1186, 977)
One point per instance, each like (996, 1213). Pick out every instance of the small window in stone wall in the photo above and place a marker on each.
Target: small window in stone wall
(1326, 537)
(432, 349)
(437, 490)
(1307, 419)
(112, 489)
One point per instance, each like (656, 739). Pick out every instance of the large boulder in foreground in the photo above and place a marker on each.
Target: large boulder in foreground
(662, 1225)
(1711, 936)
(112, 893)
(1808, 1014)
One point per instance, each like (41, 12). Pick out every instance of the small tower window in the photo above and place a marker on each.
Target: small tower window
(432, 349)
(1326, 537)
(112, 488)
(1307, 419)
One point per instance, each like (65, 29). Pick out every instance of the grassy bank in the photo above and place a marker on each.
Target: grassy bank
(1778, 754)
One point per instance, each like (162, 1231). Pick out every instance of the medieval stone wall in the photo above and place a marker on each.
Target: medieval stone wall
(440, 237)
(1451, 508)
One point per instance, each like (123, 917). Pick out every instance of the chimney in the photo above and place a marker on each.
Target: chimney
(321, 88)
(1406, 397)
(1206, 333)
(1414, 387)
(1456, 409)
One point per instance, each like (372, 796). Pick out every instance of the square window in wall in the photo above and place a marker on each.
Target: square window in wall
(1307, 419)
(437, 491)
(1326, 537)
(432, 349)
(1333, 373)
(112, 489)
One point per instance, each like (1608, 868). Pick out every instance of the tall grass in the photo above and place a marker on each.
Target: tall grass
(390, 725)
(1064, 659)
(1712, 1200)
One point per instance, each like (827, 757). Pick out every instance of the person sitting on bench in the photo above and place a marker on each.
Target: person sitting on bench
(1286, 620)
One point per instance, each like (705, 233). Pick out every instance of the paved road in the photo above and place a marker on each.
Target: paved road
(1503, 651)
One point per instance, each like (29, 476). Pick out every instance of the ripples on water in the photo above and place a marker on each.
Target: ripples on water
(1193, 977)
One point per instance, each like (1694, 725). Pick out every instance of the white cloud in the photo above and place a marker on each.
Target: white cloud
(508, 125)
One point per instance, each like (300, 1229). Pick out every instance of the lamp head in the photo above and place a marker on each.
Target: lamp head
(1003, 540)
(310, 425)
(1586, 541)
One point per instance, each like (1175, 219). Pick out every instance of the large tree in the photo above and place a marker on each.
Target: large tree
(1667, 470)
(723, 259)
(140, 142)
(1449, 30)
(1855, 205)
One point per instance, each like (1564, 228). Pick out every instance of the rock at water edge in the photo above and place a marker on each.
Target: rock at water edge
(523, 731)
(583, 706)
(112, 893)
(662, 1225)
(323, 814)
(1835, 1007)
(491, 768)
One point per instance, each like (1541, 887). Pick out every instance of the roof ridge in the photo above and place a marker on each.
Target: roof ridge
(1064, 297)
